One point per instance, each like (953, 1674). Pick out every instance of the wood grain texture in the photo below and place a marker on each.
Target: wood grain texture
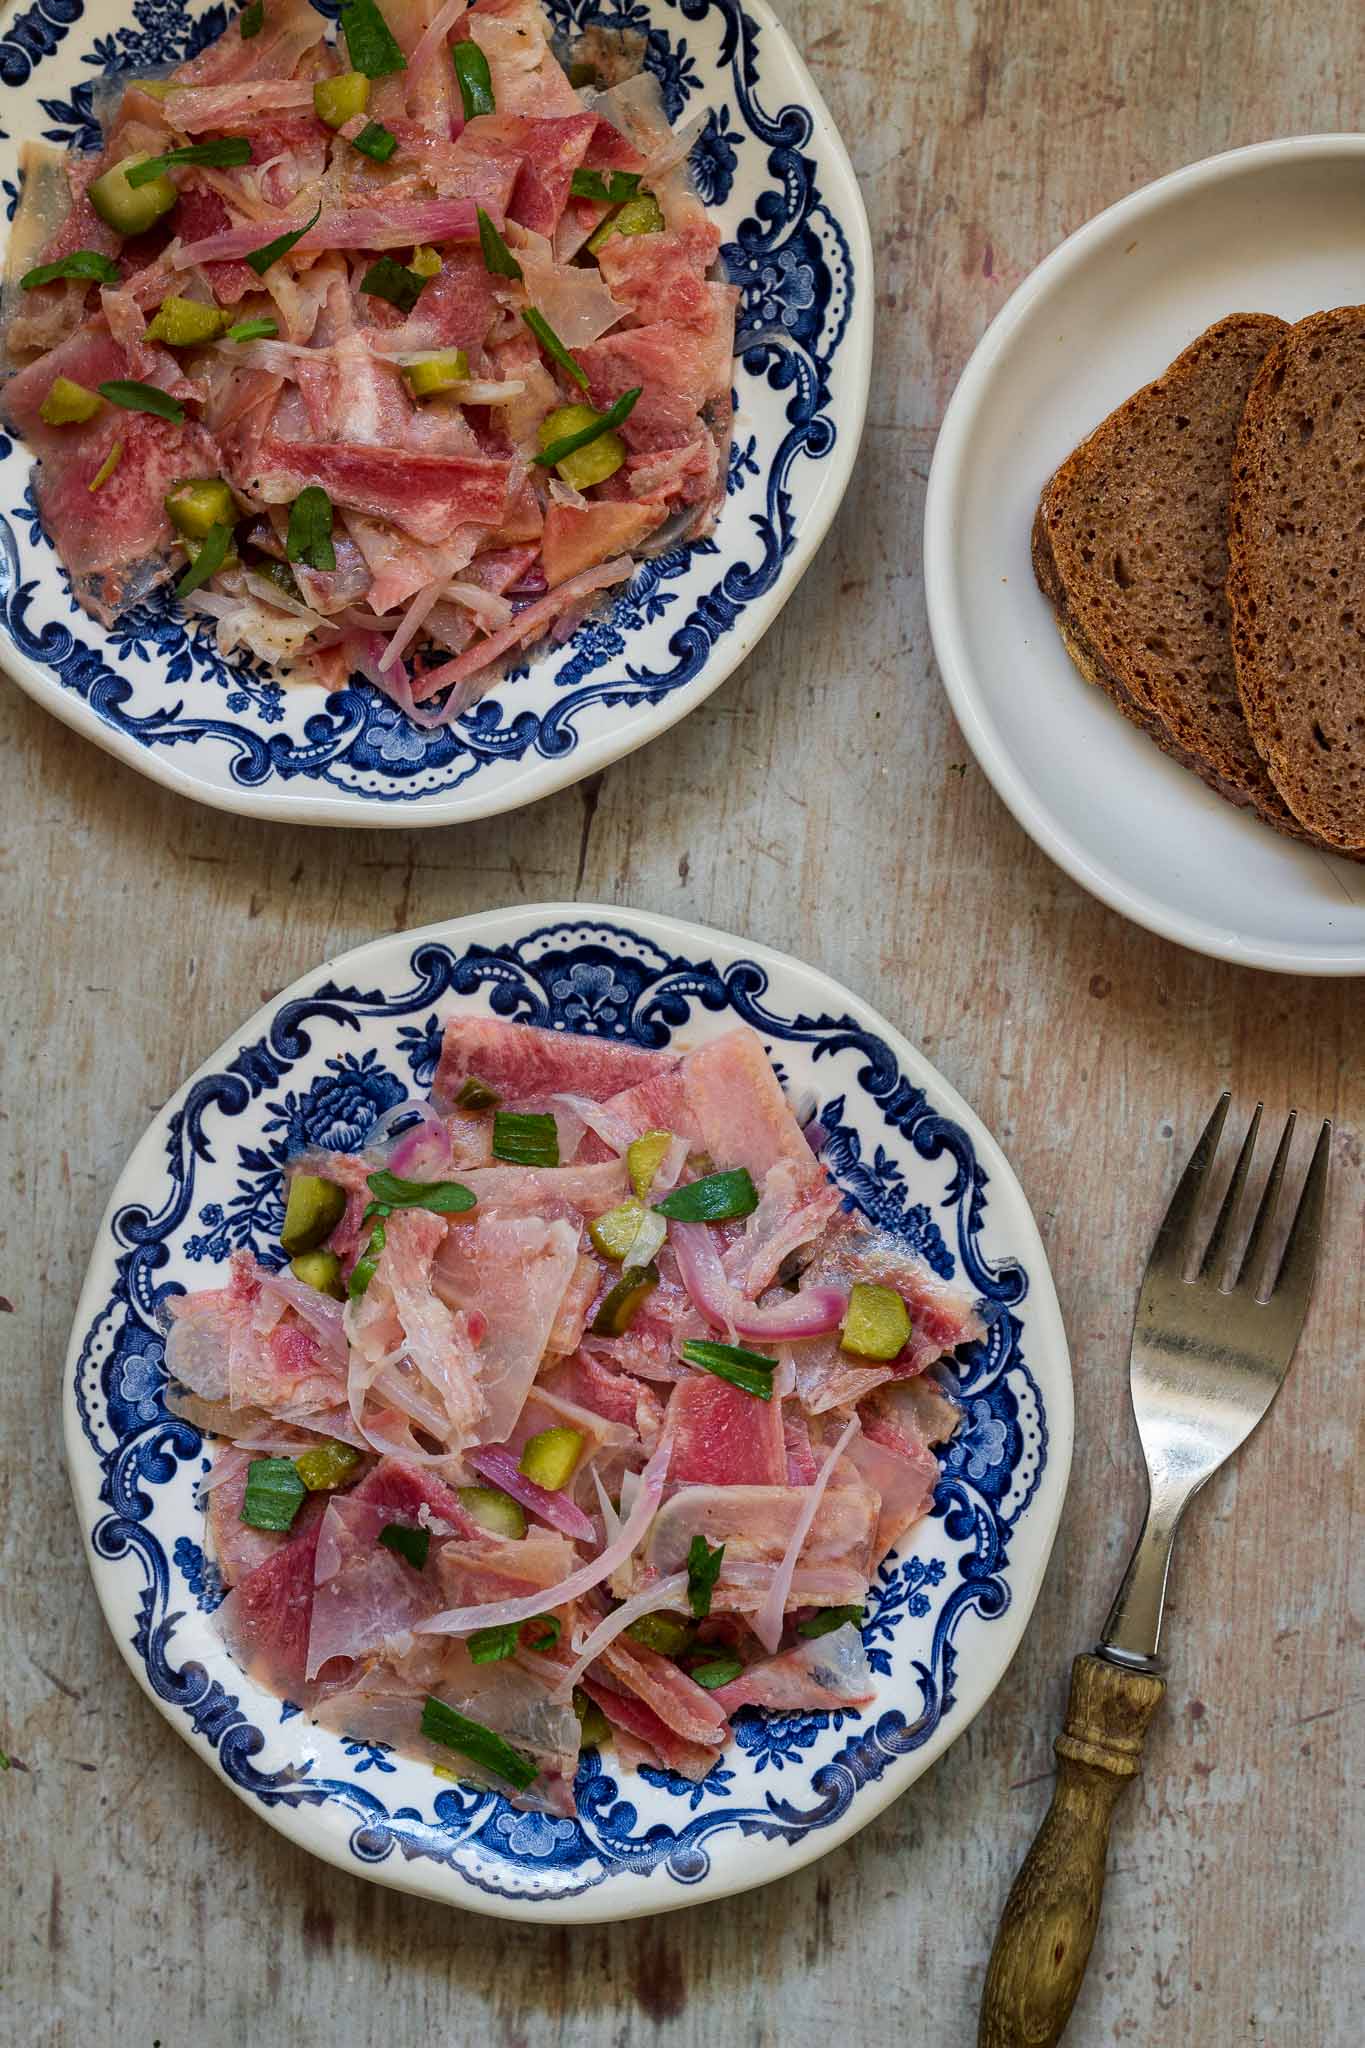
(822, 802)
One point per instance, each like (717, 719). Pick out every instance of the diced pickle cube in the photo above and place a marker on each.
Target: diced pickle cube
(614, 1233)
(322, 1270)
(312, 1213)
(131, 209)
(69, 404)
(439, 373)
(493, 1510)
(669, 1634)
(193, 507)
(639, 216)
(876, 1324)
(426, 261)
(644, 1157)
(548, 1458)
(184, 323)
(338, 100)
(625, 1301)
(326, 1465)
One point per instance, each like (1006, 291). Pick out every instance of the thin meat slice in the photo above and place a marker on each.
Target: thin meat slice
(904, 1474)
(364, 1594)
(266, 1618)
(486, 1569)
(523, 1062)
(680, 1703)
(723, 1436)
(201, 212)
(797, 1204)
(663, 276)
(755, 1523)
(821, 1676)
(237, 1547)
(689, 1759)
(401, 1320)
(513, 1273)
(289, 30)
(526, 78)
(456, 309)
(941, 1316)
(425, 495)
(679, 369)
(415, 1497)
(577, 536)
(740, 1109)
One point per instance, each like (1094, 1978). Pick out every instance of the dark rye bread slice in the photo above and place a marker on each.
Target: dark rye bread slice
(1130, 548)
(1297, 580)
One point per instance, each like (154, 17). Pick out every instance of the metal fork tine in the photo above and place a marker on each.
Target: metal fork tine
(1212, 1261)
(1295, 1276)
(1265, 1215)
(1174, 1237)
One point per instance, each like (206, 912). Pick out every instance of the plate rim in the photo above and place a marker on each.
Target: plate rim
(942, 501)
(305, 1826)
(281, 803)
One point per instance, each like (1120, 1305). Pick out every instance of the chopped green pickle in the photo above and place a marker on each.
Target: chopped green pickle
(106, 468)
(476, 1094)
(876, 1324)
(593, 1726)
(68, 404)
(322, 1270)
(326, 1465)
(493, 1510)
(192, 508)
(338, 100)
(644, 1156)
(438, 373)
(131, 209)
(426, 261)
(155, 88)
(184, 323)
(616, 1231)
(641, 216)
(669, 1634)
(719, 1672)
(625, 1301)
(583, 467)
(313, 1211)
(548, 1458)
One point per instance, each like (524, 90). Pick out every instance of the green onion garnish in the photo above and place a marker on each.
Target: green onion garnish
(213, 550)
(260, 329)
(386, 279)
(714, 1199)
(550, 1623)
(828, 1619)
(719, 1671)
(498, 259)
(476, 1094)
(491, 1645)
(525, 1140)
(363, 1270)
(441, 1723)
(476, 83)
(376, 141)
(412, 1545)
(749, 1370)
(222, 151)
(87, 263)
(309, 538)
(442, 1197)
(610, 188)
(703, 1569)
(605, 423)
(369, 40)
(251, 20)
(135, 397)
(274, 1493)
(271, 252)
(553, 346)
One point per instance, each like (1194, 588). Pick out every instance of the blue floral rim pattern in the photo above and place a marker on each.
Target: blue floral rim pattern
(786, 1777)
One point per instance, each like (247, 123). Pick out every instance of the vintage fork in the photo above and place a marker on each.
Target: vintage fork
(1209, 1355)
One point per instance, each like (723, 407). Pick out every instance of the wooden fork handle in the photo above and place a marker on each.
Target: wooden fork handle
(1053, 1908)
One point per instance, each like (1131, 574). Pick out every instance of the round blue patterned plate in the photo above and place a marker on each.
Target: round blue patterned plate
(154, 689)
(316, 1067)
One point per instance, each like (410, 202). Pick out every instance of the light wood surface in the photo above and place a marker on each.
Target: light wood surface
(823, 802)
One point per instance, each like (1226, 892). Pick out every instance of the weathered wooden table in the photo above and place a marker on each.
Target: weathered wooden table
(820, 802)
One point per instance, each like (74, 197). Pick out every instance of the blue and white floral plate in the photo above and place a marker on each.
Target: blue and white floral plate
(778, 179)
(316, 1066)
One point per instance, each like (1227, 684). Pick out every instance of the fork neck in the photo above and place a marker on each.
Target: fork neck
(1132, 1634)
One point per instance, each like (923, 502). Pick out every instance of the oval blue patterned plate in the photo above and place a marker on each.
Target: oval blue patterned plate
(772, 168)
(317, 1066)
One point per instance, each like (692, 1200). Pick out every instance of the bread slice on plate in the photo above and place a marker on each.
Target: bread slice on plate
(1130, 548)
(1297, 582)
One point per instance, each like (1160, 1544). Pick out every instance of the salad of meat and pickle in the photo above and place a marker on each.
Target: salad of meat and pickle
(393, 347)
(579, 1406)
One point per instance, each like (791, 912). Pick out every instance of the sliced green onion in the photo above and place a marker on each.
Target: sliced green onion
(370, 40)
(212, 553)
(605, 423)
(498, 259)
(86, 263)
(828, 1619)
(326, 1465)
(703, 1569)
(553, 346)
(475, 79)
(442, 1197)
(551, 1626)
(271, 252)
(412, 1545)
(106, 468)
(476, 1094)
(260, 329)
(748, 1370)
(441, 1723)
(251, 20)
(135, 397)
(375, 141)
(309, 538)
(386, 279)
(525, 1140)
(222, 152)
(714, 1199)
(491, 1645)
(608, 188)
(719, 1671)
(274, 1493)
(363, 1270)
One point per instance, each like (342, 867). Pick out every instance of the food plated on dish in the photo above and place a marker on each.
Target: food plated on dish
(1180, 295)
(575, 1542)
(378, 358)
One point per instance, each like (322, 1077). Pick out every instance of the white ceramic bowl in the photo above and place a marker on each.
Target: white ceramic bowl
(1279, 228)
(778, 181)
(944, 1615)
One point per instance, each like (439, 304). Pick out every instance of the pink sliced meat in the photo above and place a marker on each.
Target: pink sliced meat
(689, 1759)
(593, 1383)
(290, 29)
(723, 1436)
(364, 1594)
(797, 1203)
(904, 1475)
(414, 1496)
(487, 1569)
(755, 1523)
(740, 1109)
(266, 1618)
(680, 1703)
(522, 1062)
(201, 212)
(360, 227)
(526, 78)
(663, 276)
(236, 105)
(456, 309)
(236, 1547)
(426, 495)
(818, 1677)
(576, 536)
(566, 1332)
(550, 151)
(941, 1316)
(678, 369)
(513, 1272)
